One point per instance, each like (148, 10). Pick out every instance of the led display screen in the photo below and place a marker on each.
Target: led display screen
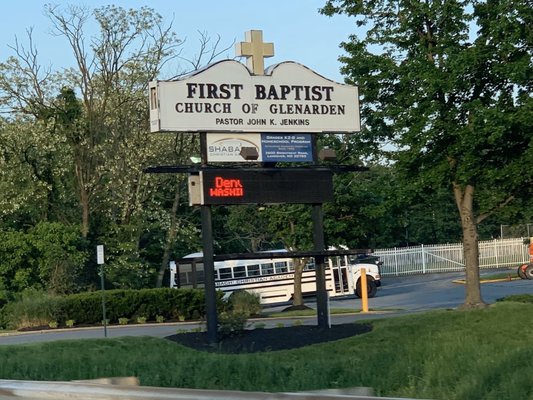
(266, 186)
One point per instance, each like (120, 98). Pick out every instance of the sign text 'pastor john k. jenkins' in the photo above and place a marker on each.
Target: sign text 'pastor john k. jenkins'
(225, 96)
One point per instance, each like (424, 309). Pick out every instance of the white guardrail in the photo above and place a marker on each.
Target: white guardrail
(37, 390)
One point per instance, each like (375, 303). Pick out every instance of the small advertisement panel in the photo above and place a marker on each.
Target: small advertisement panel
(265, 147)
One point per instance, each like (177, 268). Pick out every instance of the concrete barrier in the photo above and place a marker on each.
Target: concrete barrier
(45, 390)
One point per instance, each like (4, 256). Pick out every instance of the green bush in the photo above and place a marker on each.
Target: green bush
(240, 306)
(231, 322)
(33, 309)
(243, 302)
(38, 308)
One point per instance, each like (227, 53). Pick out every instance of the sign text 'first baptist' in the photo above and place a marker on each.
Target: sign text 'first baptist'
(227, 91)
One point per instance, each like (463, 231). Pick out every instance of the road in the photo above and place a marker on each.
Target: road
(397, 296)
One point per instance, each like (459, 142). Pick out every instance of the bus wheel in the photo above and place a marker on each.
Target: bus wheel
(521, 271)
(371, 290)
(529, 271)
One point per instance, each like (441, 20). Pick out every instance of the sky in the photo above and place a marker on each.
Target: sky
(296, 28)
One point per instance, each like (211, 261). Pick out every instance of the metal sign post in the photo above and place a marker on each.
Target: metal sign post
(321, 291)
(100, 261)
(209, 263)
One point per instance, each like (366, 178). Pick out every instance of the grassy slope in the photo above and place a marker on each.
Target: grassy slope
(444, 354)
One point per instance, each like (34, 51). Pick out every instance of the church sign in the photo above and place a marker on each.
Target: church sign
(227, 97)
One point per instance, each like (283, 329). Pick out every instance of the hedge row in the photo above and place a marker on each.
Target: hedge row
(39, 309)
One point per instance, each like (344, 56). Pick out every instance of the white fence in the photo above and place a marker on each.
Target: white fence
(427, 259)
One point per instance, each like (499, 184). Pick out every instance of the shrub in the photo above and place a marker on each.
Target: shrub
(53, 324)
(37, 308)
(244, 302)
(231, 322)
(123, 321)
(70, 323)
(141, 320)
(33, 309)
(159, 319)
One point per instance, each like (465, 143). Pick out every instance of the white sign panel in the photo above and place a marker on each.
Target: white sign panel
(227, 147)
(100, 254)
(225, 97)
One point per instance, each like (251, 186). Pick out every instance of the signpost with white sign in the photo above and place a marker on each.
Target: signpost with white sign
(100, 262)
(246, 113)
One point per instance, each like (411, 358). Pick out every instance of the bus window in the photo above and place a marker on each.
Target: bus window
(267, 269)
(281, 266)
(200, 279)
(309, 266)
(291, 266)
(225, 273)
(184, 279)
(239, 272)
(253, 270)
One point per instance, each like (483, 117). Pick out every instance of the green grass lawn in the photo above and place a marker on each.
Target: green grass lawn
(481, 354)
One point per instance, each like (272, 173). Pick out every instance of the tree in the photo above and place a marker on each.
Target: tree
(90, 122)
(291, 225)
(448, 84)
(34, 180)
(106, 129)
(49, 256)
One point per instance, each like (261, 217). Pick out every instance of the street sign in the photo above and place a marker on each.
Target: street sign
(100, 254)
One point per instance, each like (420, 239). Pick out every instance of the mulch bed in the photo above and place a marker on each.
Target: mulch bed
(260, 340)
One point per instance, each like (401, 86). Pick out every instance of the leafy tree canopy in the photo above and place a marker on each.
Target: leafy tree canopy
(448, 84)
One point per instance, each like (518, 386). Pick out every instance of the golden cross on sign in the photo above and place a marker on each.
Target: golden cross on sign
(255, 51)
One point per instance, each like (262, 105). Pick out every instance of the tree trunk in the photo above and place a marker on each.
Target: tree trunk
(85, 209)
(298, 299)
(171, 237)
(464, 199)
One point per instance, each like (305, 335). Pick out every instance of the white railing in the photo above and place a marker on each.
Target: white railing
(426, 259)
